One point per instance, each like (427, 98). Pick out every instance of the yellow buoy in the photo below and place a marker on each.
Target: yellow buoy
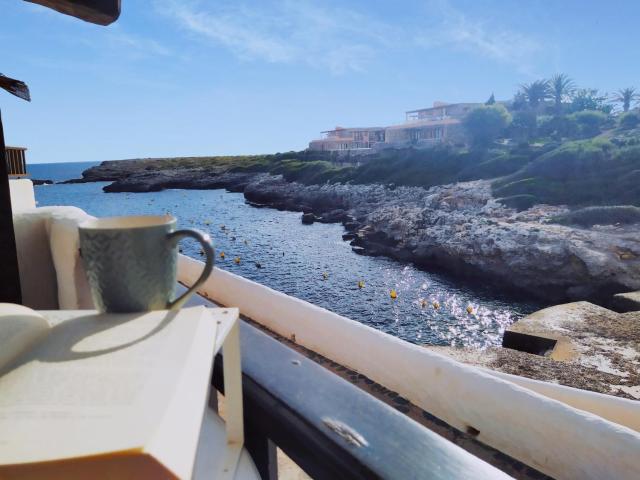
(221, 254)
(436, 305)
(469, 309)
(393, 294)
(360, 284)
(237, 259)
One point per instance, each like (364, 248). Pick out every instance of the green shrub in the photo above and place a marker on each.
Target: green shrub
(311, 172)
(589, 99)
(434, 166)
(629, 120)
(523, 126)
(588, 172)
(498, 165)
(607, 215)
(567, 160)
(486, 123)
(525, 186)
(563, 126)
(590, 122)
(544, 125)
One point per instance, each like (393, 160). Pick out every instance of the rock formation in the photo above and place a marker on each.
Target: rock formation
(460, 228)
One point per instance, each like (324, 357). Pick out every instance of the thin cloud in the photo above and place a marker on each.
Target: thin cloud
(342, 40)
(456, 30)
(339, 40)
(135, 44)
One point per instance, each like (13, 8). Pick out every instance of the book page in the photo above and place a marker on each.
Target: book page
(102, 384)
(20, 329)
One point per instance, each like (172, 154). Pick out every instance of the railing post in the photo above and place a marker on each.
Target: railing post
(9, 276)
(262, 450)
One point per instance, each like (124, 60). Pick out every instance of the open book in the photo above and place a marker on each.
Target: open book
(87, 395)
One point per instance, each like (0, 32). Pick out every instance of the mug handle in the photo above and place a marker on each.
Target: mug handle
(207, 246)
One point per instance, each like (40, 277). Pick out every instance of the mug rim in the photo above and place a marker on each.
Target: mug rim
(127, 222)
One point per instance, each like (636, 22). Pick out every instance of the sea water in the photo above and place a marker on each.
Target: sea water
(310, 262)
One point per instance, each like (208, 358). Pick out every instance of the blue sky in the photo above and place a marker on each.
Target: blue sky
(181, 77)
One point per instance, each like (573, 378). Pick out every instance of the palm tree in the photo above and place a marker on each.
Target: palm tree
(519, 101)
(625, 96)
(561, 87)
(536, 92)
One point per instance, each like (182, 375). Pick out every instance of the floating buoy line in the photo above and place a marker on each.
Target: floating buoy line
(393, 293)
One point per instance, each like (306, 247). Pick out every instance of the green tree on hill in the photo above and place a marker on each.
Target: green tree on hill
(536, 92)
(523, 126)
(486, 123)
(561, 87)
(626, 97)
(519, 101)
(589, 99)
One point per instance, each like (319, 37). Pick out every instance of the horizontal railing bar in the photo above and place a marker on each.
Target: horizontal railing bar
(331, 428)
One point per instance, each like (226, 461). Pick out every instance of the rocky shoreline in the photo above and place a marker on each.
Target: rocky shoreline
(459, 228)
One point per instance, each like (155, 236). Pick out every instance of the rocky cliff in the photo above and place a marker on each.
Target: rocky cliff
(459, 228)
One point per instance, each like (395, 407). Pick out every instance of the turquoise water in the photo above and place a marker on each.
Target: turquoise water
(296, 258)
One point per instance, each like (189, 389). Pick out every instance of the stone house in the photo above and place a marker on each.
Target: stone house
(441, 123)
(349, 139)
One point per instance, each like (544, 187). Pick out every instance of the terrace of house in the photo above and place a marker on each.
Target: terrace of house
(429, 130)
(440, 112)
(355, 134)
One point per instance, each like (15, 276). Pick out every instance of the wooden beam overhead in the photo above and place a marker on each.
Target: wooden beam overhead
(100, 12)
(15, 87)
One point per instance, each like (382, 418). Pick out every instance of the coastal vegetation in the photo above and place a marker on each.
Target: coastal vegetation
(607, 215)
(553, 143)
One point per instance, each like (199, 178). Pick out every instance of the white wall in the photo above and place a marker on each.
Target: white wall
(615, 409)
(549, 435)
(22, 196)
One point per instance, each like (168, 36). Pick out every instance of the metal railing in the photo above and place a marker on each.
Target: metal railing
(16, 161)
